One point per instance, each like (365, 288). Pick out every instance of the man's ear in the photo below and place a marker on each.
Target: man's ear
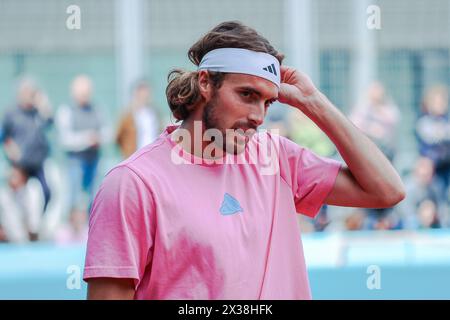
(204, 85)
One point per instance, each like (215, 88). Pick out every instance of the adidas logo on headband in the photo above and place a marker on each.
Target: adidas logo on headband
(271, 69)
(237, 60)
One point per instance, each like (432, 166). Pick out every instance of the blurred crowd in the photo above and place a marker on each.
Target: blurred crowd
(27, 195)
(427, 199)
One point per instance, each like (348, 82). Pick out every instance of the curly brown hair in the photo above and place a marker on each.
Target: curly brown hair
(182, 91)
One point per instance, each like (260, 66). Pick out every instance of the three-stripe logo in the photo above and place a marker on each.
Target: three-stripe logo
(271, 69)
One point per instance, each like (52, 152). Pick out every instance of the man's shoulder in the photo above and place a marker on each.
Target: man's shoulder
(273, 140)
(142, 170)
(11, 112)
(13, 116)
(150, 157)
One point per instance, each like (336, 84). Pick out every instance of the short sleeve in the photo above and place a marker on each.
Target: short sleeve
(311, 177)
(120, 228)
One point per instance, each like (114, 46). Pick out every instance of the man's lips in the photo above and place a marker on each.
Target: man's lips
(245, 131)
(244, 134)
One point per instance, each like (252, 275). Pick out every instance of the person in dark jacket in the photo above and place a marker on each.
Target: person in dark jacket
(433, 134)
(23, 133)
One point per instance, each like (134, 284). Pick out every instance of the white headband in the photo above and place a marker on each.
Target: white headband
(235, 60)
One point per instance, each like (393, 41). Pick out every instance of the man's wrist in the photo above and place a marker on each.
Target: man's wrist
(314, 102)
(322, 112)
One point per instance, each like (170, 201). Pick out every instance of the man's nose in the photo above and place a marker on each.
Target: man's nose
(256, 116)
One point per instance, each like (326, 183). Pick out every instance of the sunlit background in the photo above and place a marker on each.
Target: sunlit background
(385, 64)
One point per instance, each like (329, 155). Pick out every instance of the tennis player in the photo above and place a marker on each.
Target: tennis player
(199, 213)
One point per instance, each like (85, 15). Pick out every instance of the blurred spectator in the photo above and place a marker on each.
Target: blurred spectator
(306, 133)
(21, 205)
(424, 206)
(428, 214)
(433, 133)
(2, 235)
(81, 134)
(76, 231)
(139, 125)
(378, 116)
(355, 220)
(23, 133)
(382, 219)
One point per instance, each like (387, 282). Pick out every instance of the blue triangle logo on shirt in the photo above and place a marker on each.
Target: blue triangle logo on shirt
(230, 205)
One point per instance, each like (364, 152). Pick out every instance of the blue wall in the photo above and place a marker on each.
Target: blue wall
(408, 270)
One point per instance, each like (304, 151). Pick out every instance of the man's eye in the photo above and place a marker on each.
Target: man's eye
(268, 103)
(245, 94)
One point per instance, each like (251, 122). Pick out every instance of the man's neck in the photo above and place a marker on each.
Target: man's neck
(195, 144)
(26, 107)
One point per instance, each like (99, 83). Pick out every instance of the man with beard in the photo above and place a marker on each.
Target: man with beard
(196, 215)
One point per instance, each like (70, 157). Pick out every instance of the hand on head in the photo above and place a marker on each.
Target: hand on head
(296, 87)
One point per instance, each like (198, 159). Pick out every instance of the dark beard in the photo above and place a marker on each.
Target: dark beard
(209, 116)
(210, 120)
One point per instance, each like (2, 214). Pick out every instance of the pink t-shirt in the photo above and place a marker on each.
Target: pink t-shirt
(194, 230)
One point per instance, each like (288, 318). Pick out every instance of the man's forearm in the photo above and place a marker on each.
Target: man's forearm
(370, 168)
